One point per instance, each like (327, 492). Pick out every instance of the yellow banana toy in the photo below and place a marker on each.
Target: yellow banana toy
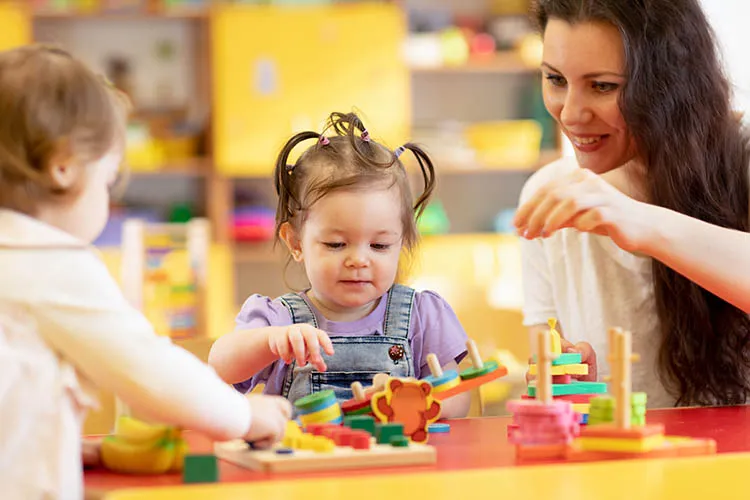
(137, 447)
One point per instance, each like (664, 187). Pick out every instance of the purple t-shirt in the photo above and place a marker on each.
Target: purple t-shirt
(434, 329)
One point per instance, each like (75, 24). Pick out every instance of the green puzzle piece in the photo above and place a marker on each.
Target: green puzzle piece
(573, 388)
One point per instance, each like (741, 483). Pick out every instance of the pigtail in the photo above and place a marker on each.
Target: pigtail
(285, 180)
(428, 175)
(349, 125)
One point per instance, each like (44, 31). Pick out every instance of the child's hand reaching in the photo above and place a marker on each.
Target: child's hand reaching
(588, 357)
(91, 453)
(269, 417)
(301, 342)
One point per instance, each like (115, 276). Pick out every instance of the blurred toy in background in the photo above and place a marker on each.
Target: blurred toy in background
(252, 219)
(116, 6)
(503, 222)
(454, 47)
(494, 396)
(138, 447)
(164, 269)
(253, 223)
(434, 220)
(441, 37)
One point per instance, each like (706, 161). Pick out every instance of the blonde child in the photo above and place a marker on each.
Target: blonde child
(345, 212)
(64, 325)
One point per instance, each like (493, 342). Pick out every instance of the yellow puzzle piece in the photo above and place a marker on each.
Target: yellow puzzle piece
(555, 344)
(574, 369)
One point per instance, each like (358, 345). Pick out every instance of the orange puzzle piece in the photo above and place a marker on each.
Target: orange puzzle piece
(408, 402)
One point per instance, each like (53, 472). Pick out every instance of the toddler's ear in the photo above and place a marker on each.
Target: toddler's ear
(289, 236)
(62, 170)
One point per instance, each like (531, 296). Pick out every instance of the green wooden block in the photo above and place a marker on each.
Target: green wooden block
(200, 469)
(566, 358)
(601, 410)
(638, 410)
(638, 398)
(361, 422)
(638, 421)
(607, 402)
(573, 388)
(400, 441)
(385, 432)
(367, 410)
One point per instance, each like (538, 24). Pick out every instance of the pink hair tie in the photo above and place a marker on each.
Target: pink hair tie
(365, 135)
(324, 140)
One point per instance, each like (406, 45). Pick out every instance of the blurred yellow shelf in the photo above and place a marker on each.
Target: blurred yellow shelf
(186, 14)
(545, 157)
(470, 238)
(508, 61)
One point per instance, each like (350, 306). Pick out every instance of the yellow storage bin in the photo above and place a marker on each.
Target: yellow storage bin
(278, 71)
(15, 25)
(505, 144)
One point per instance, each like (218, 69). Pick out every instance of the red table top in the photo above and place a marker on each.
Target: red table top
(471, 444)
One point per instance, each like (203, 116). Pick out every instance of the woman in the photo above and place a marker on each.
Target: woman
(651, 233)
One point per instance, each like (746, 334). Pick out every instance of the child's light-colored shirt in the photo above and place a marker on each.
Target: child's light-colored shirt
(65, 327)
(434, 328)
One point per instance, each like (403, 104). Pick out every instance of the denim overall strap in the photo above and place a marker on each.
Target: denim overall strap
(398, 312)
(357, 358)
(298, 309)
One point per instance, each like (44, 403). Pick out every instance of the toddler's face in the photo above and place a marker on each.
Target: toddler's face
(350, 245)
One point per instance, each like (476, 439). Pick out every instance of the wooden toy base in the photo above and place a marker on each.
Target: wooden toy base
(342, 457)
(673, 446)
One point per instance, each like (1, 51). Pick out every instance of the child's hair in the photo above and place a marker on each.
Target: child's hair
(345, 161)
(49, 101)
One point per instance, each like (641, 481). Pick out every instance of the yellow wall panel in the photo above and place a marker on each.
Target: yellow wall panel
(15, 25)
(280, 70)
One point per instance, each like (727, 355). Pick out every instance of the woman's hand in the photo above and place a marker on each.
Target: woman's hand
(588, 357)
(587, 202)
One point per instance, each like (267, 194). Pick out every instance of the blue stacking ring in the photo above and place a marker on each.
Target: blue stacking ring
(447, 377)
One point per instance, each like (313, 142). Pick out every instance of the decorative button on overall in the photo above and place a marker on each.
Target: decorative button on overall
(396, 352)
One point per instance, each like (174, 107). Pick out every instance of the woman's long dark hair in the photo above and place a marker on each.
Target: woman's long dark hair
(677, 104)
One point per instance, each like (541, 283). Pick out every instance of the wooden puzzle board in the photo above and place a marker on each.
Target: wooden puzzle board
(342, 457)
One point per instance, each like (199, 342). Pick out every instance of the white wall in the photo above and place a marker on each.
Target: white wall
(730, 21)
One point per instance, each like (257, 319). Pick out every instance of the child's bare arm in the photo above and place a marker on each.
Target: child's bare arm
(239, 355)
(83, 316)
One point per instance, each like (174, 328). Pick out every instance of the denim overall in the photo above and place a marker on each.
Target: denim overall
(356, 358)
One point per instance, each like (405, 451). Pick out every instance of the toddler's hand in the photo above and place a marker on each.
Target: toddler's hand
(91, 453)
(269, 417)
(301, 342)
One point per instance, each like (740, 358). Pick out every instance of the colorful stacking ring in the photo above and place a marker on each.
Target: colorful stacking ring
(319, 408)
(473, 372)
(448, 380)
